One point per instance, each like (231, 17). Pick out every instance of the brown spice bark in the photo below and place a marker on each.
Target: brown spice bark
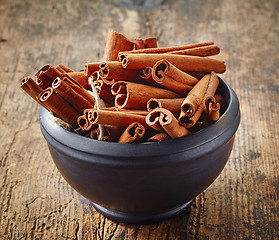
(133, 133)
(135, 96)
(116, 43)
(203, 51)
(70, 95)
(182, 62)
(118, 118)
(46, 75)
(59, 106)
(170, 49)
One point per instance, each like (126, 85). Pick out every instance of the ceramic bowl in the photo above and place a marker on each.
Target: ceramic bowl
(144, 182)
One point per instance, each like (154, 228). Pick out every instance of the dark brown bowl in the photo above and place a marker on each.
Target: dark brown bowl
(145, 182)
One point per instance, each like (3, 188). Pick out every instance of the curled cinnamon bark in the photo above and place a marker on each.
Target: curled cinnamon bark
(133, 133)
(46, 75)
(159, 137)
(113, 132)
(118, 118)
(90, 68)
(189, 116)
(115, 71)
(163, 70)
(161, 118)
(30, 87)
(78, 88)
(133, 111)
(189, 122)
(70, 95)
(63, 69)
(84, 124)
(213, 111)
(170, 49)
(172, 105)
(59, 106)
(80, 78)
(146, 73)
(139, 43)
(153, 120)
(203, 51)
(195, 97)
(182, 62)
(104, 91)
(116, 43)
(135, 96)
(171, 77)
(171, 124)
(145, 43)
(95, 76)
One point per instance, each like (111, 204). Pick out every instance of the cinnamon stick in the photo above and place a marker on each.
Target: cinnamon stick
(163, 70)
(78, 88)
(146, 75)
(172, 105)
(30, 87)
(63, 69)
(58, 106)
(171, 77)
(114, 70)
(133, 133)
(46, 75)
(189, 116)
(159, 137)
(91, 68)
(171, 124)
(161, 118)
(189, 122)
(213, 111)
(139, 43)
(80, 78)
(95, 76)
(153, 120)
(145, 43)
(116, 43)
(118, 118)
(203, 51)
(135, 95)
(113, 132)
(182, 62)
(70, 95)
(169, 49)
(195, 97)
(133, 111)
(104, 91)
(84, 123)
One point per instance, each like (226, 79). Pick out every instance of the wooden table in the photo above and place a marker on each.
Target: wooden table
(36, 202)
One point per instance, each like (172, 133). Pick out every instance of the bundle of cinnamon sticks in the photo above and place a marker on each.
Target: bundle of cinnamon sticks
(139, 92)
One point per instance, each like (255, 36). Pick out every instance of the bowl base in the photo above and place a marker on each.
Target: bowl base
(131, 218)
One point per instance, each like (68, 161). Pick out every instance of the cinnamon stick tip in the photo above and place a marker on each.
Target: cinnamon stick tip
(25, 80)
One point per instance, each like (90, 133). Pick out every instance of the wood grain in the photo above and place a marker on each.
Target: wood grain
(36, 202)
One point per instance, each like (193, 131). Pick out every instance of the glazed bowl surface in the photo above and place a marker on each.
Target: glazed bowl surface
(144, 182)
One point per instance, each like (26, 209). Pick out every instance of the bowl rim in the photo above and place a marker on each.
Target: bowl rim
(225, 127)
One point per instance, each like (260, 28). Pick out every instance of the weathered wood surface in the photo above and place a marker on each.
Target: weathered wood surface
(36, 202)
